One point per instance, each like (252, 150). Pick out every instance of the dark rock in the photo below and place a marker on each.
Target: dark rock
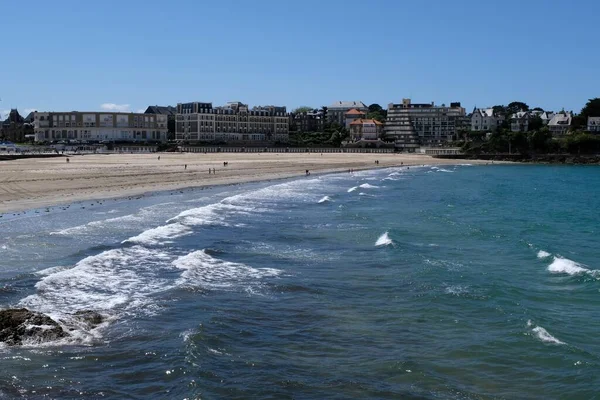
(91, 318)
(17, 325)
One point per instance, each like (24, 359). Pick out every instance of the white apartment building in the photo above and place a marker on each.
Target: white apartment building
(99, 127)
(336, 112)
(484, 119)
(414, 125)
(593, 124)
(234, 122)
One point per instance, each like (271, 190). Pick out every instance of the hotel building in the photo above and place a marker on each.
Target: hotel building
(337, 111)
(414, 125)
(233, 123)
(99, 127)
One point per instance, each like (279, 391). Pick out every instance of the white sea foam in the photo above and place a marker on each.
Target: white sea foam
(444, 170)
(368, 186)
(325, 199)
(565, 266)
(383, 240)
(544, 336)
(352, 189)
(201, 269)
(543, 254)
(160, 235)
(112, 282)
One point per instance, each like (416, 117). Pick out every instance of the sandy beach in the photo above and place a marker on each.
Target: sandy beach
(35, 183)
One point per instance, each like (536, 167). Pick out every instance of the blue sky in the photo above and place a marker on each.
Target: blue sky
(79, 55)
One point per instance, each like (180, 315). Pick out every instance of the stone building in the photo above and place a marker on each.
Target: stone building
(232, 123)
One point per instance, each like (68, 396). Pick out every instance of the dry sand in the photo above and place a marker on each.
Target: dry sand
(36, 183)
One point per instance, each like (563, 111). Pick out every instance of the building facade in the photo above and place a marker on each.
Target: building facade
(14, 127)
(170, 112)
(415, 125)
(560, 123)
(336, 112)
(310, 121)
(99, 127)
(365, 129)
(234, 122)
(519, 122)
(353, 115)
(486, 120)
(593, 124)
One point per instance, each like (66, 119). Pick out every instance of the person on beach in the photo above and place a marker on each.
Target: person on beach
(209, 171)
(158, 158)
(185, 167)
(68, 161)
(214, 171)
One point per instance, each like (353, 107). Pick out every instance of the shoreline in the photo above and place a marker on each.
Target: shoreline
(33, 184)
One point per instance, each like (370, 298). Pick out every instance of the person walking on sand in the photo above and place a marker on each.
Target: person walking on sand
(214, 171)
(158, 158)
(209, 171)
(185, 167)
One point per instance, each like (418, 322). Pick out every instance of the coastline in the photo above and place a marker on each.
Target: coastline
(37, 183)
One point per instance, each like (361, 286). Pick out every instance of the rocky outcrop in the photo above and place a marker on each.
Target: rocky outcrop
(19, 325)
(91, 318)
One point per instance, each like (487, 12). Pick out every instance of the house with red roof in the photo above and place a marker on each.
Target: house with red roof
(365, 129)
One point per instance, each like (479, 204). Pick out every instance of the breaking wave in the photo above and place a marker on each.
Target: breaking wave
(383, 240)
(543, 254)
(352, 189)
(201, 269)
(325, 199)
(562, 265)
(543, 335)
(368, 186)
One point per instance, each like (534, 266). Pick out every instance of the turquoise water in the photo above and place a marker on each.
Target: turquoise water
(456, 282)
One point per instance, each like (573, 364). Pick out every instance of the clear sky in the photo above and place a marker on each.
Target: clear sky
(84, 55)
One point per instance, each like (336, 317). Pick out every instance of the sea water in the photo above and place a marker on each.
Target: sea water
(460, 282)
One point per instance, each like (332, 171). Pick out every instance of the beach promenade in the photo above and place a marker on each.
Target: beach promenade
(36, 183)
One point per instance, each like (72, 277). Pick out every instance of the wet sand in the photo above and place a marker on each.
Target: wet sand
(35, 183)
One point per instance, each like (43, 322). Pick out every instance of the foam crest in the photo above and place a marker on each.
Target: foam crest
(565, 266)
(201, 269)
(543, 254)
(352, 189)
(112, 282)
(368, 186)
(383, 240)
(543, 335)
(325, 199)
(160, 234)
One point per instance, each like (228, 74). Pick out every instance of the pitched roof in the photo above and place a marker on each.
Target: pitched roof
(561, 119)
(361, 121)
(485, 112)
(164, 110)
(29, 117)
(354, 111)
(348, 104)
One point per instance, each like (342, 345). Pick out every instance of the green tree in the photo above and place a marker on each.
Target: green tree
(536, 123)
(516, 106)
(501, 110)
(538, 109)
(591, 108)
(540, 140)
(302, 109)
(377, 112)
